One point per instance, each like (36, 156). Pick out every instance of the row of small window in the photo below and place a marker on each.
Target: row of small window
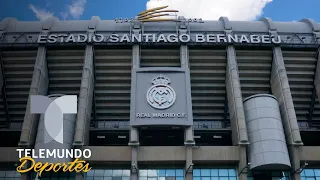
(214, 173)
(56, 175)
(161, 173)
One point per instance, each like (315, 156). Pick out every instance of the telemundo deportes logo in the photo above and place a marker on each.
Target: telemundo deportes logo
(53, 147)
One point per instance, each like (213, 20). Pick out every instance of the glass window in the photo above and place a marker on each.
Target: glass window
(161, 174)
(205, 172)
(54, 175)
(214, 174)
(313, 174)
(309, 172)
(108, 174)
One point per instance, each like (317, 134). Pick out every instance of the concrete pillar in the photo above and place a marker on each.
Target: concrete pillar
(85, 99)
(135, 56)
(317, 76)
(281, 89)
(189, 138)
(39, 86)
(237, 118)
(184, 56)
(134, 134)
(79, 176)
(25, 176)
(189, 164)
(243, 165)
(294, 152)
(134, 163)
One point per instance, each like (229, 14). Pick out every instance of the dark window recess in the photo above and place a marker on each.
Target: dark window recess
(310, 138)
(161, 137)
(109, 138)
(213, 138)
(9, 138)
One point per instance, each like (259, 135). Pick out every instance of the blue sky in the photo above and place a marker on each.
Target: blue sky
(278, 10)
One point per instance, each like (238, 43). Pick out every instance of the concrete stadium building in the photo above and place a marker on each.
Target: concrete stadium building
(184, 100)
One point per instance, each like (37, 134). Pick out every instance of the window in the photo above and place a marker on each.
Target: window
(310, 174)
(161, 174)
(108, 174)
(10, 175)
(55, 175)
(214, 174)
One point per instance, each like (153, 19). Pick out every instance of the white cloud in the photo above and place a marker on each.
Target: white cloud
(76, 8)
(41, 14)
(214, 9)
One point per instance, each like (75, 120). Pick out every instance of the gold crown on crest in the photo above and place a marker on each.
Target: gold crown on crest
(161, 80)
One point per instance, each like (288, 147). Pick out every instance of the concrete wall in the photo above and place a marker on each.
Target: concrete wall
(9, 154)
(164, 153)
(309, 153)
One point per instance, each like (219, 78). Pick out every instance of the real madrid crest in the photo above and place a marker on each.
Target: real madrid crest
(161, 95)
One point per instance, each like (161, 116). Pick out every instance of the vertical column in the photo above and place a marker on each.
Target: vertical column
(234, 94)
(189, 138)
(317, 75)
(80, 176)
(281, 89)
(85, 99)
(134, 143)
(235, 103)
(134, 134)
(39, 86)
(237, 118)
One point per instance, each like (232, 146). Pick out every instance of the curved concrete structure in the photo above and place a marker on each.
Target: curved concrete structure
(267, 149)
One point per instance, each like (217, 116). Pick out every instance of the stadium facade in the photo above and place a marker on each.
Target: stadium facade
(169, 100)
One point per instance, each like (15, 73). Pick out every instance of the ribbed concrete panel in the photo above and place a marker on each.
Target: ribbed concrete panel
(18, 70)
(160, 57)
(300, 67)
(208, 83)
(254, 71)
(65, 71)
(113, 84)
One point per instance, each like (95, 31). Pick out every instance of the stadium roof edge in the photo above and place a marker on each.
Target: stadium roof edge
(263, 25)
